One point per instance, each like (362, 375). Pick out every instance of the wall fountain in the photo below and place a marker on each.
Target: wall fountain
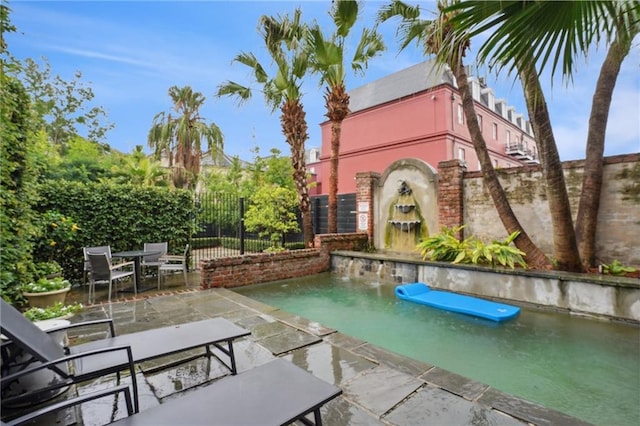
(405, 206)
(405, 226)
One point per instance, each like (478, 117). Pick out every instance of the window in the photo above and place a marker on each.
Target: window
(480, 122)
(461, 154)
(495, 163)
(495, 131)
(460, 114)
(508, 136)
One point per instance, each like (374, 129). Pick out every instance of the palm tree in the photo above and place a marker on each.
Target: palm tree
(283, 38)
(139, 169)
(328, 59)
(544, 37)
(436, 37)
(180, 138)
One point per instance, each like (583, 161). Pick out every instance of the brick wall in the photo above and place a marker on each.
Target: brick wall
(256, 268)
(450, 194)
(364, 201)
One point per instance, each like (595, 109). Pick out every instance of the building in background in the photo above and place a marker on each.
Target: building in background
(417, 113)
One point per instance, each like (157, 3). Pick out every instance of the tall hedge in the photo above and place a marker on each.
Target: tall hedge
(122, 216)
(17, 182)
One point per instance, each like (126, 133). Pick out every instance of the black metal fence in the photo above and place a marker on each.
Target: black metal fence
(346, 213)
(221, 232)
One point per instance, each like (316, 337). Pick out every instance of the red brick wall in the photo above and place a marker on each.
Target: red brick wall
(450, 194)
(364, 196)
(257, 268)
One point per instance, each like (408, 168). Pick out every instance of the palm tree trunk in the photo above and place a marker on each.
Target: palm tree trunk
(294, 127)
(337, 102)
(565, 246)
(534, 256)
(587, 220)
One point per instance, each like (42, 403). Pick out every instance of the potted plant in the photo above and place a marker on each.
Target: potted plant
(57, 311)
(46, 291)
(50, 269)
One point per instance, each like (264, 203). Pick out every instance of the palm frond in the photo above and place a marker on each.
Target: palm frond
(344, 14)
(236, 90)
(250, 60)
(369, 46)
(550, 33)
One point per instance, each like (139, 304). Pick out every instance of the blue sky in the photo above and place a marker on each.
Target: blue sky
(131, 53)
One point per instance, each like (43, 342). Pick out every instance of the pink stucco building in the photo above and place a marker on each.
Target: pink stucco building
(417, 113)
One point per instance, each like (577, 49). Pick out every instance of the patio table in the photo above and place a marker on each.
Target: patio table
(136, 255)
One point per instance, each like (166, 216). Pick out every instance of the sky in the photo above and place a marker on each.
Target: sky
(131, 52)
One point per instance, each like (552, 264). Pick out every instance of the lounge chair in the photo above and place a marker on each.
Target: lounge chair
(117, 352)
(275, 393)
(71, 402)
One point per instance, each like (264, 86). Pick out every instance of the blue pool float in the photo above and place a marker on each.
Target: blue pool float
(421, 293)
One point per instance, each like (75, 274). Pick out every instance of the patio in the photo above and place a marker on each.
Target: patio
(379, 387)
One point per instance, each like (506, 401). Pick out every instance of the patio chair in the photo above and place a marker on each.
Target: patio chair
(275, 393)
(103, 271)
(139, 347)
(174, 263)
(87, 265)
(154, 260)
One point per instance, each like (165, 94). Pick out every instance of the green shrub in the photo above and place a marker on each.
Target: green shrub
(122, 216)
(446, 247)
(55, 311)
(44, 285)
(616, 268)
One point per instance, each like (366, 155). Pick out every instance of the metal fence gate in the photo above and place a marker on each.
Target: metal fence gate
(220, 230)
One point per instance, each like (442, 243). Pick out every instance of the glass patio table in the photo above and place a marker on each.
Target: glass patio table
(136, 255)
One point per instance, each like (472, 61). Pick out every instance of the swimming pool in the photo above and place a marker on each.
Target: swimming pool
(589, 369)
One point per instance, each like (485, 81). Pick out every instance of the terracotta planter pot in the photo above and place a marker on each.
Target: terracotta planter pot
(49, 298)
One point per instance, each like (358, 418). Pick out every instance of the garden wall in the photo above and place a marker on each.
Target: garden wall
(618, 229)
(257, 268)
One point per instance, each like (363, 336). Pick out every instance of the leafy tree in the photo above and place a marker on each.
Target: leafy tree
(561, 32)
(283, 38)
(181, 138)
(272, 213)
(83, 161)
(436, 38)
(63, 106)
(328, 56)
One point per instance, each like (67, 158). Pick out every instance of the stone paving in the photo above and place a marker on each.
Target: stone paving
(379, 387)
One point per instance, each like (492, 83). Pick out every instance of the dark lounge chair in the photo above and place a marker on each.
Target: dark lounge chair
(113, 354)
(276, 393)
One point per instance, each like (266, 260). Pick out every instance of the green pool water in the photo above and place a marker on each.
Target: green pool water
(586, 368)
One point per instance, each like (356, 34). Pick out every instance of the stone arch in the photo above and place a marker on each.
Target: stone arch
(422, 178)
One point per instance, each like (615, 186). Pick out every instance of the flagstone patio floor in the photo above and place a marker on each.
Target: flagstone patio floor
(379, 387)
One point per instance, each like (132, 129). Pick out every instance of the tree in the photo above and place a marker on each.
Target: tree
(327, 55)
(180, 138)
(283, 37)
(527, 48)
(82, 161)
(63, 107)
(436, 38)
(140, 170)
